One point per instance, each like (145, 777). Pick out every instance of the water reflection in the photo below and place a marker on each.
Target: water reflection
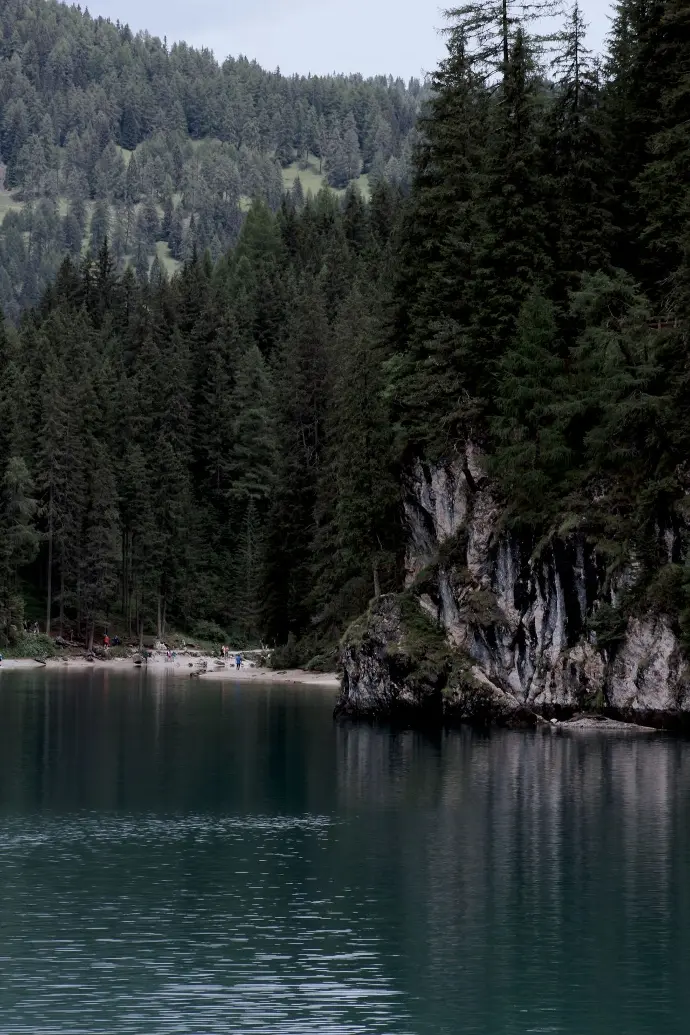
(180, 857)
(549, 873)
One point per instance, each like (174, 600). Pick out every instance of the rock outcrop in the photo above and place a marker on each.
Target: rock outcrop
(510, 629)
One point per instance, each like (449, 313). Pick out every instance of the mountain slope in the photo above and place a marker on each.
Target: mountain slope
(102, 131)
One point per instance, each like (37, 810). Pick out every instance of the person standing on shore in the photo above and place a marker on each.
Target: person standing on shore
(238, 661)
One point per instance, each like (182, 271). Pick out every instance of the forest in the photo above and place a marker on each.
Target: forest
(162, 149)
(226, 448)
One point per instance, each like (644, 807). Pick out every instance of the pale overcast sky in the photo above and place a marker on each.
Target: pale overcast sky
(398, 37)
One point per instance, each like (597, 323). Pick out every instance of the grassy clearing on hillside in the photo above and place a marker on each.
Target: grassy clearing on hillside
(313, 181)
(362, 184)
(8, 203)
(170, 264)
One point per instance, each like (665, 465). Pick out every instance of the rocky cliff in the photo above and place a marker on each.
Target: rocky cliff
(491, 630)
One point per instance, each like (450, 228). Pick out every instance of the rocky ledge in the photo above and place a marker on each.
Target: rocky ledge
(491, 631)
(397, 664)
(600, 724)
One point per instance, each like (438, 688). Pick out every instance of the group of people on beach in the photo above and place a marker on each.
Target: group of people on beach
(226, 653)
(171, 655)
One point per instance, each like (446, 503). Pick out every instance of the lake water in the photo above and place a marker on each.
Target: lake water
(182, 857)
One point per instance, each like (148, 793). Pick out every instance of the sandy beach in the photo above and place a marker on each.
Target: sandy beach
(182, 666)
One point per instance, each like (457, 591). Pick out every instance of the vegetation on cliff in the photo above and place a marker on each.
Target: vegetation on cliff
(542, 302)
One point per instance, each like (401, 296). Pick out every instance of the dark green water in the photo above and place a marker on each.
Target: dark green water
(216, 858)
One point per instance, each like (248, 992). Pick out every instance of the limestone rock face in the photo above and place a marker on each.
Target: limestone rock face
(516, 625)
(378, 667)
(399, 665)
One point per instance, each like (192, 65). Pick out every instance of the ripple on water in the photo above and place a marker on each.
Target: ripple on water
(152, 925)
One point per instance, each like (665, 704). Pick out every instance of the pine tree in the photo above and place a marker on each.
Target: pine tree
(252, 458)
(576, 165)
(620, 413)
(356, 544)
(100, 226)
(142, 558)
(663, 183)
(18, 541)
(438, 366)
(302, 396)
(632, 106)
(337, 159)
(353, 156)
(100, 556)
(148, 225)
(513, 255)
(248, 577)
(491, 28)
(298, 194)
(531, 458)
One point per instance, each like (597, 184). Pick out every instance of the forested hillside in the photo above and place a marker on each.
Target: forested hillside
(163, 149)
(228, 446)
(211, 450)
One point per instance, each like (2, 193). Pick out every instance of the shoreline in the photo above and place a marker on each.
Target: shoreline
(181, 667)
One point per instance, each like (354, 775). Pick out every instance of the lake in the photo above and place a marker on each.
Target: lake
(182, 857)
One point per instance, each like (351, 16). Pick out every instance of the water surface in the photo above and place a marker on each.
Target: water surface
(181, 857)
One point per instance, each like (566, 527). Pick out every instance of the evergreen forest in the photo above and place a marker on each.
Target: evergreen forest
(225, 446)
(161, 149)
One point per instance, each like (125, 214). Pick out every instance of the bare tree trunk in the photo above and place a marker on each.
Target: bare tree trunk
(506, 52)
(89, 638)
(377, 583)
(62, 598)
(123, 554)
(141, 634)
(49, 590)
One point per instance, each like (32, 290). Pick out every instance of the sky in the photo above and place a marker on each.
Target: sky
(373, 37)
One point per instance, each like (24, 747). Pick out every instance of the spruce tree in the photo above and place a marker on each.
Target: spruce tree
(663, 183)
(530, 458)
(99, 572)
(302, 396)
(576, 164)
(437, 368)
(491, 28)
(356, 546)
(513, 255)
(18, 541)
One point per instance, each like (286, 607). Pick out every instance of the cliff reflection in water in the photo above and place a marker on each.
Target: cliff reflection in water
(551, 870)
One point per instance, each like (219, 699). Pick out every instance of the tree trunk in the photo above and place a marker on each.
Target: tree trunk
(506, 52)
(89, 638)
(62, 598)
(159, 624)
(141, 635)
(377, 583)
(49, 589)
(123, 556)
